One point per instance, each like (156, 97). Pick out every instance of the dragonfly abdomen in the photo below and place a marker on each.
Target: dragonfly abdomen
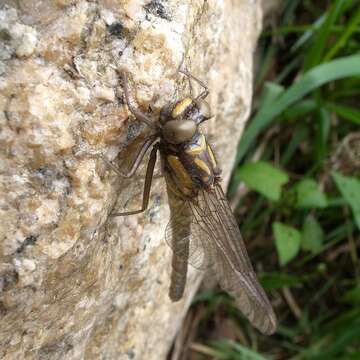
(194, 167)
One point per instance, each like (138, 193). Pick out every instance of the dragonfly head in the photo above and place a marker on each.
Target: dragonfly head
(180, 120)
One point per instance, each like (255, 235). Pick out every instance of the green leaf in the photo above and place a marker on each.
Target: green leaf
(287, 241)
(264, 178)
(308, 194)
(322, 134)
(300, 109)
(350, 190)
(343, 39)
(314, 54)
(308, 34)
(312, 235)
(346, 112)
(228, 349)
(352, 296)
(271, 91)
(266, 63)
(299, 135)
(279, 280)
(314, 78)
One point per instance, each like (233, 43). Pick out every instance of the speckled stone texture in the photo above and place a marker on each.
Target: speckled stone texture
(74, 282)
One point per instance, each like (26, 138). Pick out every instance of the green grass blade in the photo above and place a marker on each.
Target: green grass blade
(349, 30)
(322, 134)
(345, 112)
(300, 109)
(313, 57)
(308, 34)
(298, 137)
(286, 30)
(290, 67)
(227, 349)
(316, 77)
(266, 64)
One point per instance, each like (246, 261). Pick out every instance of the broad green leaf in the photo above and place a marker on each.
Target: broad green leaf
(264, 178)
(271, 91)
(308, 194)
(312, 235)
(314, 78)
(302, 108)
(279, 280)
(350, 190)
(287, 241)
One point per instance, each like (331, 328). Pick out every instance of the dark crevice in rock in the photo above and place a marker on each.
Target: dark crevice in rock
(156, 8)
(29, 241)
(116, 29)
(8, 279)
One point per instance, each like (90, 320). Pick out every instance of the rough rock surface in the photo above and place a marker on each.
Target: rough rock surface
(74, 283)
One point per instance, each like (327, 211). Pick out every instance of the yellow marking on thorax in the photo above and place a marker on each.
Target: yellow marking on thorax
(198, 148)
(180, 107)
(179, 169)
(212, 157)
(202, 165)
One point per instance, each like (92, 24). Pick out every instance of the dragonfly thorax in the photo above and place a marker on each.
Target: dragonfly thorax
(179, 131)
(180, 120)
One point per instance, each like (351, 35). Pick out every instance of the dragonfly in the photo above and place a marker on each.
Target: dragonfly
(202, 230)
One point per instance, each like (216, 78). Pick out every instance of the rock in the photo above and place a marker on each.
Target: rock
(76, 283)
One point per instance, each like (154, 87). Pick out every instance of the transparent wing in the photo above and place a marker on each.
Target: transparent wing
(213, 222)
(185, 243)
(185, 239)
(204, 233)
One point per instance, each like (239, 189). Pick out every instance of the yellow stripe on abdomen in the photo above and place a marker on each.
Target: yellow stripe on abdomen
(202, 165)
(212, 157)
(179, 170)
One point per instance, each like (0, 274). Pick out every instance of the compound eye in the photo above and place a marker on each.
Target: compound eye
(179, 131)
(204, 109)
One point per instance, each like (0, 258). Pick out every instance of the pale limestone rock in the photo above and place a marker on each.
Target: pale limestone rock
(104, 93)
(74, 282)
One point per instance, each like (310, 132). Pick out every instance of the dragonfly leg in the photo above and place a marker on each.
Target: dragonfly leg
(205, 92)
(138, 158)
(134, 110)
(147, 185)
